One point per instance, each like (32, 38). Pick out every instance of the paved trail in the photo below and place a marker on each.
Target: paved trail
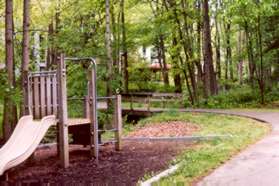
(256, 166)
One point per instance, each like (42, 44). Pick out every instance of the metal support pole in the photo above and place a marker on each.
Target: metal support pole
(93, 113)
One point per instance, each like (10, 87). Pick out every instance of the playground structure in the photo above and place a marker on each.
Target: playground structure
(46, 95)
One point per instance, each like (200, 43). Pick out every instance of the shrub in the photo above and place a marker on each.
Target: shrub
(244, 96)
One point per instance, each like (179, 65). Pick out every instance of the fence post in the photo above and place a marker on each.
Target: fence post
(118, 122)
(148, 103)
(63, 113)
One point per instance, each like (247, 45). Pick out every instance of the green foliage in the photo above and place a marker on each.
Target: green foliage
(238, 97)
(142, 79)
(13, 92)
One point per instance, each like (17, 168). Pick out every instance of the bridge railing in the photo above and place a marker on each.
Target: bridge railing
(148, 99)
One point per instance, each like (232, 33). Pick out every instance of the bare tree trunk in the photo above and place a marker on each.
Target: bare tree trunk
(229, 65)
(240, 59)
(217, 41)
(249, 46)
(124, 49)
(50, 49)
(109, 50)
(25, 55)
(175, 59)
(210, 76)
(114, 39)
(163, 60)
(200, 79)
(261, 79)
(10, 112)
(187, 81)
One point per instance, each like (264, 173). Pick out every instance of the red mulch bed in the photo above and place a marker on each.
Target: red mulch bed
(165, 129)
(125, 167)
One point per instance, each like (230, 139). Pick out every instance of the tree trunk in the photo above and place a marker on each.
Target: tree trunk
(249, 46)
(229, 65)
(10, 111)
(198, 62)
(261, 80)
(109, 50)
(175, 59)
(163, 60)
(187, 82)
(25, 56)
(210, 77)
(50, 47)
(36, 50)
(240, 59)
(114, 39)
(124, 49)
(217, 41)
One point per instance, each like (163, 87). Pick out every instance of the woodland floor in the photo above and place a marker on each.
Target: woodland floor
(126, 167)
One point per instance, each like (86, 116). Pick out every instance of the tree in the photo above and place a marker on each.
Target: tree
(109, 50)
(25, 53)
(124, 56)
(210, 76)
(10, 111)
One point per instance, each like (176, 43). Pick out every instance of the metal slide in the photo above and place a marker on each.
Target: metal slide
(24, 141)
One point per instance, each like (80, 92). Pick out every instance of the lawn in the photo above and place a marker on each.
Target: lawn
(206, 156)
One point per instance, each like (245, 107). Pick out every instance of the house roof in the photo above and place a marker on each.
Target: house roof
(156, 66)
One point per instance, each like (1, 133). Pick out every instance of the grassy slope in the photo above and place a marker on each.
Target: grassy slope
(206, 156)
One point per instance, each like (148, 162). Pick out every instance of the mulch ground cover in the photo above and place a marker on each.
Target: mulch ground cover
(125, 167)
(165, 129)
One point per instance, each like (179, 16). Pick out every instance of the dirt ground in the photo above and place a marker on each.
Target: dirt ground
(125, 167)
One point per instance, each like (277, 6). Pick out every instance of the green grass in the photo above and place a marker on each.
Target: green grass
(206, 156)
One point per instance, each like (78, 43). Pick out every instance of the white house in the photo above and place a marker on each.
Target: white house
(149, 54)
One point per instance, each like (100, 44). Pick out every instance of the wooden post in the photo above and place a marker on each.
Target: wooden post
(63, 113)
(131, 103)
(148, 103)
(118, 122)
(93, 113)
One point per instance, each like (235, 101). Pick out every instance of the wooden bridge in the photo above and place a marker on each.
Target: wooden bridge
(141, 104)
